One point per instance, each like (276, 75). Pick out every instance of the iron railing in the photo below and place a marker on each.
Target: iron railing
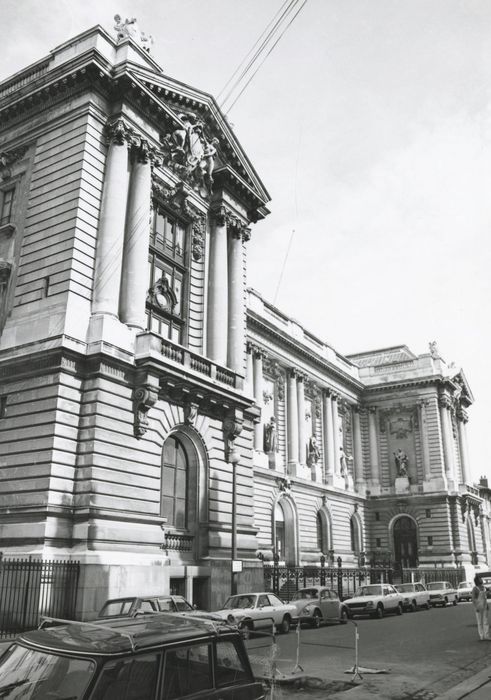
(284, 581)
(454, 575)
(30, 588)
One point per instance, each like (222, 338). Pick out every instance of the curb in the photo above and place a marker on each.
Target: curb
(469, 686)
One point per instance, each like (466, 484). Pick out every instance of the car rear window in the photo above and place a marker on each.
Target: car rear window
(29, 674)
(133, 678)
(116, 607)
(187, 670)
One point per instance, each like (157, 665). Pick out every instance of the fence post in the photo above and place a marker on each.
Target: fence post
(323, 570)
(276, 574)
(340, 578)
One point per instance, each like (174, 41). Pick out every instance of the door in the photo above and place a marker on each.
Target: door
(329, 605)
(405, 543)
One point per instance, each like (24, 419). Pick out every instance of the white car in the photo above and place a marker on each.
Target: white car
(252, 611)
(442, 593)
(464, 590)
(415, 596)
(375, 600)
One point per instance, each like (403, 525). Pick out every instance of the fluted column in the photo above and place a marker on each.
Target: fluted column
(423, 423)
(217, 337)
(358, 450)
(373, 440)
(258, 355)
(236, 312)
(137, 238)
(336, 442)
(110, 235)
(292, 410)
(445, 405)
(302, 441)
(462, 419)
(328, 438)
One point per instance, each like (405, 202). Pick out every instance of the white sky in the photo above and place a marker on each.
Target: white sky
(370, 125)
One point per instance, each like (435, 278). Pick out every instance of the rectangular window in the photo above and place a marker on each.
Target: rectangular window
(128, 678)
(428, 513)
(377, 516)
(7, 206)
(430, 541)
(229, 666)
(378, 542)
(187, 671)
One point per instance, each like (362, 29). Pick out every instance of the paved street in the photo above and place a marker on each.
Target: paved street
(425, 653)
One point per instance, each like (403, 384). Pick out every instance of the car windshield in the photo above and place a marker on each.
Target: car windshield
(405, 588)
(368, 590)
(306, 593)
(117, 607)
(239, 601)
(32, 675)
(465, 584)
(436, 586)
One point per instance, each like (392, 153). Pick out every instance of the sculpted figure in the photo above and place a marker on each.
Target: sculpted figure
(402, 462)
(270, 439)
(129, 29)
(314, 452)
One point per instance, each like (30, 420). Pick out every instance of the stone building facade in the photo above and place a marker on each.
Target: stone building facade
(157, 420)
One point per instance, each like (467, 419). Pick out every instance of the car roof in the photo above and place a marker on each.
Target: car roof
(108, 637)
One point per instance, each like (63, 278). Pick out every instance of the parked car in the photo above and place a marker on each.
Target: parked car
(319, 604)
(155, 656)
(129, 607)
(252, 611)
(464, 590)
(375, 600)
(415, 595)
(442, 593)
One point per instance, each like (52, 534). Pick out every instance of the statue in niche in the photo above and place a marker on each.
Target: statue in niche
(343, 462)
(314, 452)
(270, 437)
(402, 462)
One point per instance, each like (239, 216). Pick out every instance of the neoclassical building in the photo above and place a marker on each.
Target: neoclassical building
(159, 421)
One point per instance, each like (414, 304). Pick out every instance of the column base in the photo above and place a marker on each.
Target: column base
(293, 469)
(104, 328)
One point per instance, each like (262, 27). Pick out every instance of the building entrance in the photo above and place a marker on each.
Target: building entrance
(405, 543)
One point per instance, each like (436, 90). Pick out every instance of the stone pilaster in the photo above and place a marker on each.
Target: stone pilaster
(134, 281)
(462, 419)
(217, 331)
(445, 404)
(423, 427)
(250, 369)
(358, 451)
(302, 439)
(258, 355)
(336, 436)
(374, 453)
(236, 313)
(292, 417)
(110, 237)
(328, 438)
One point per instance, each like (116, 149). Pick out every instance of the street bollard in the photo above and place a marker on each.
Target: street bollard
(297, 668)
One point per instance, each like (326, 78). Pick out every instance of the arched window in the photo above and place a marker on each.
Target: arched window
(321, 543)
(279, 526)
(175, 484)
(356, 536)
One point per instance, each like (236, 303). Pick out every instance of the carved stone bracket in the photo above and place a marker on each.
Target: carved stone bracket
(144, 397)
(8, 158)
(232, 427)
(284, 485)
(190, 412)
(462, 414)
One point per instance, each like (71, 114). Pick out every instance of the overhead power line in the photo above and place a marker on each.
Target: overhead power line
(292, 5)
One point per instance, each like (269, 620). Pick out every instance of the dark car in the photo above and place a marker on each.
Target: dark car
(131, 606)
(163, 657)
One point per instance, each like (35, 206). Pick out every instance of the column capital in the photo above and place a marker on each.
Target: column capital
(218, 215)
(444, 401)
(256, 350)
(462, 414)
(297, 374)
(119, 132)
(359, 408)
(372, 409)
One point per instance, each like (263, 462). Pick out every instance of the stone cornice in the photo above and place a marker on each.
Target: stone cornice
(300, 352)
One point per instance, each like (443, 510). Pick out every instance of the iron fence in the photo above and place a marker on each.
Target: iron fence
(454, 575)
(30, 588)
(284, 581)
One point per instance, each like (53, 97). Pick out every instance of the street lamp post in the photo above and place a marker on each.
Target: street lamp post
(234, 458)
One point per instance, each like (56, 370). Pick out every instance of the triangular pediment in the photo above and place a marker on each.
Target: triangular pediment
(185, 105)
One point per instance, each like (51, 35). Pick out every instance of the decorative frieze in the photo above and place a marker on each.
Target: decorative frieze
(399, 420)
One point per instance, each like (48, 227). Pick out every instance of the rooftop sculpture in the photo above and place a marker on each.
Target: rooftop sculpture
(129, 29)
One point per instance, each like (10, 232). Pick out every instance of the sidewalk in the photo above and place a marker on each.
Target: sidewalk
(478, 687)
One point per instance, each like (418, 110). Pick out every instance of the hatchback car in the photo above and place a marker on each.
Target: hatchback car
(252, 611)
(414, 596)
(318, 604)
(375, 600)
(161, 656)
(129, 607)
(442, 593)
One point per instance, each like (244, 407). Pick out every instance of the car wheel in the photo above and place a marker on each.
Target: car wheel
(445, 602)
(379, 613)
(413, 606)
(316, 619)
(455, 601)
(344, 617)
(399, 609)
(427, 606)
(285, 625)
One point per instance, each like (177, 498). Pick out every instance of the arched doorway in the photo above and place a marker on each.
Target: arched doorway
(405, 543)
(285, 531)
